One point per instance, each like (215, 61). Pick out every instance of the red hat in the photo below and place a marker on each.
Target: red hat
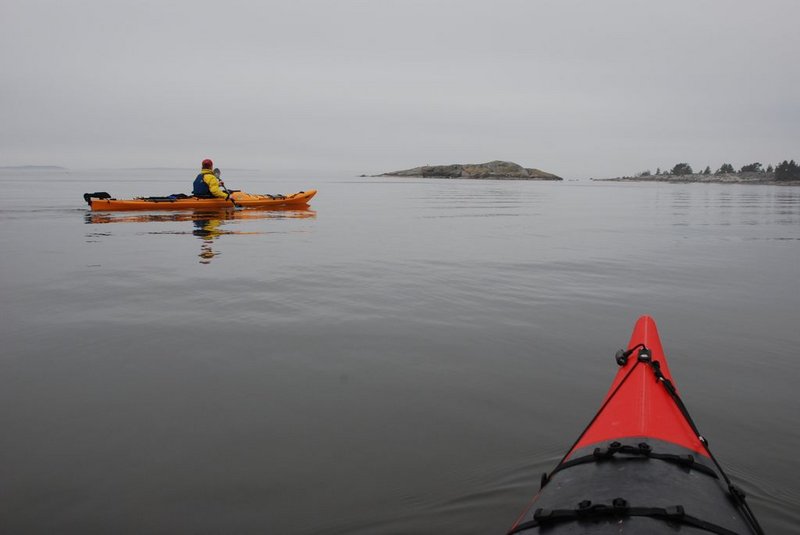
(207, 164)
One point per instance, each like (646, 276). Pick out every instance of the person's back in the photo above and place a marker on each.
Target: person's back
(207, 184)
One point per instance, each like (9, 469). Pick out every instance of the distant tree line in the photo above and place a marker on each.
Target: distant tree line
(786, 170)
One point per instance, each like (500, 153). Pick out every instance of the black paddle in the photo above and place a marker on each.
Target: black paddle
(235, 206)
(217, 174)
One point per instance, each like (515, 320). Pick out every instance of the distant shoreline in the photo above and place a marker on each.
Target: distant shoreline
(697, 178)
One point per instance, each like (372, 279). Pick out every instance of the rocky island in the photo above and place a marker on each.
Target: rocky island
(496, 170)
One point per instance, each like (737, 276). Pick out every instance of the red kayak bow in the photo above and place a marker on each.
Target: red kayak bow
(641, 465)
(636, 404)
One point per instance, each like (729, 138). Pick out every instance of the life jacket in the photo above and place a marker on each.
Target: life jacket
(200, 188)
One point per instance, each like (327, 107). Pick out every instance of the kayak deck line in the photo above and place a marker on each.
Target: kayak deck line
(619, 507)
(636, 463)
(635, 452)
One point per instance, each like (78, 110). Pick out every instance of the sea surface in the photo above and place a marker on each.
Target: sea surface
(407, 356)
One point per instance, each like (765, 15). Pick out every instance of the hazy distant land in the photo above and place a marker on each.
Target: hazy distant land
(496, 170)
(785, 173)
(726, 178)
(33, 167)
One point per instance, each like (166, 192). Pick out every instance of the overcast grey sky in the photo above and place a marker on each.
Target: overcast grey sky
(578, 88)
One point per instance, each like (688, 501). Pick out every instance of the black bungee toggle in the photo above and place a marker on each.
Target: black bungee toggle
(643, 448)
(622, 355)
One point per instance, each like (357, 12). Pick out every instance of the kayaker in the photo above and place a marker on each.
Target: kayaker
(207, 184)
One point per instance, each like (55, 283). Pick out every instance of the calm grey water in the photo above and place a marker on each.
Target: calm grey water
(406, 357)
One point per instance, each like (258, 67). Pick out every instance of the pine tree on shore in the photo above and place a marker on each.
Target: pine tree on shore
(682, 169)
(725, 168)
(787, 171)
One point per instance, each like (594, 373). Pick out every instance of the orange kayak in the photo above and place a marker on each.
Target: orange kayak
(102, 201)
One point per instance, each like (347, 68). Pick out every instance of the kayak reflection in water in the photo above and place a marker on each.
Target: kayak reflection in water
(207, 230)
(208, 226)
